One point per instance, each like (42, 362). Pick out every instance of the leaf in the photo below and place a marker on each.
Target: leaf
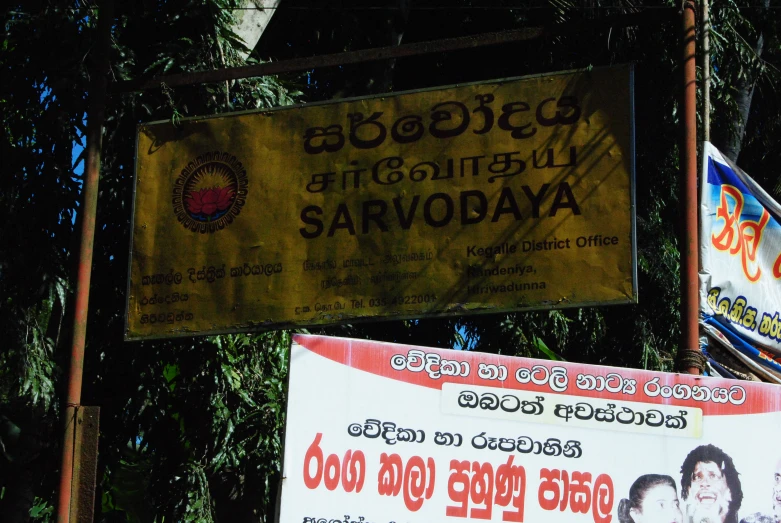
(537, 342)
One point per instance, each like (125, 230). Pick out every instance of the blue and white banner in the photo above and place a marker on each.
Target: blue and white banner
(760, 362)
(740, 253)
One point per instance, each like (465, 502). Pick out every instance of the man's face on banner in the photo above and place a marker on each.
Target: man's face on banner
(709, 496)
(777, 492)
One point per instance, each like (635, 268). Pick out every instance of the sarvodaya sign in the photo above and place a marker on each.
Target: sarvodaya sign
(505, 195)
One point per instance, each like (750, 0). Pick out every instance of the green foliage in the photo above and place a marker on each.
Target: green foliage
(202, 419)
(41, 511)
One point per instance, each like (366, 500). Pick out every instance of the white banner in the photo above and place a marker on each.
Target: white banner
(380, 433)
(740, 253)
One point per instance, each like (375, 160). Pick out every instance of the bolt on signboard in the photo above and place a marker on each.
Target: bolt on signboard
(506, 195)
(380, 432)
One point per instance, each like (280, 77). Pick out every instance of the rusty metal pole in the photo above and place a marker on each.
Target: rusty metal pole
(705, 70)
(690, 244)
(95, 117)
(652, 16)
(85, 464)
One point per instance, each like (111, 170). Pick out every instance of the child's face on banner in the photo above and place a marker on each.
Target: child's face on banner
(660, 505)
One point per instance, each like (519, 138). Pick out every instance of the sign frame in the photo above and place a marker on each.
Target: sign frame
(261, 327)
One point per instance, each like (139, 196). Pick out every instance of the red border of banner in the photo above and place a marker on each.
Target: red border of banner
(374, 357)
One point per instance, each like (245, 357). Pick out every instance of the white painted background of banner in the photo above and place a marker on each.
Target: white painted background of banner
(326, 397)
(723, 269)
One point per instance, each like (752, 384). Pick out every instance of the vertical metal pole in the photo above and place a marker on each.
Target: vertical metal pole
(705, 70)
(85, 465)
(690, 244)
(95, 116)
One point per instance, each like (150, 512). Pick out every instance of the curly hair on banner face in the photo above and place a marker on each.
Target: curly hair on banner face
(713, 454)
(630, 508)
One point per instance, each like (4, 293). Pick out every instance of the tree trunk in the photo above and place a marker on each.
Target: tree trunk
(732, 141)
(252, 22)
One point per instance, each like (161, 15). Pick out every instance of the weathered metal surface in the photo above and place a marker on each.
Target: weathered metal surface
(314, 215)
(690, 241)
(384, 53)
(89, 206)
(85, 464)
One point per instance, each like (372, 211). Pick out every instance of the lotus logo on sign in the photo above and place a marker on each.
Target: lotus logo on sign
(210, 192)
